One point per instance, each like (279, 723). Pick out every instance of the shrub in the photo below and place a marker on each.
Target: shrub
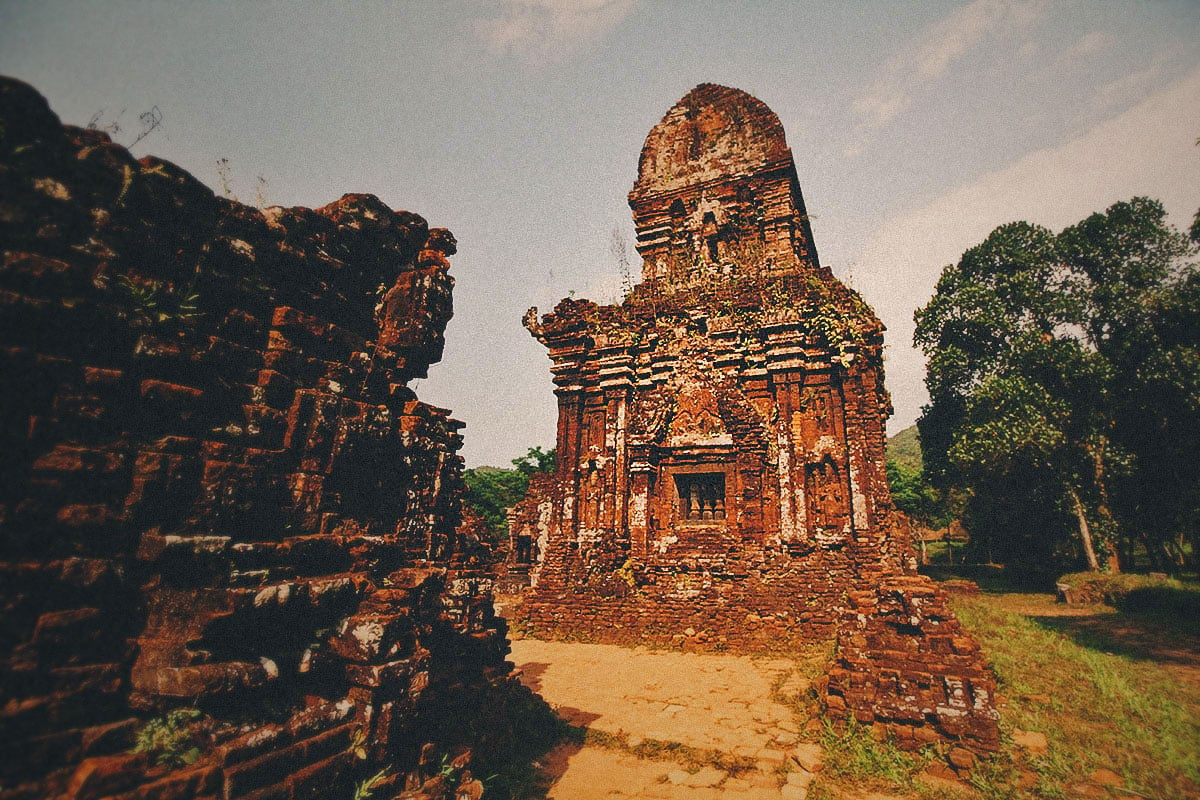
(1130, 592)
(170, 741)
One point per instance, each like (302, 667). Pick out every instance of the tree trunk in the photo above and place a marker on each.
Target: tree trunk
(1085, 533)
(1151, 552)
(1102, 510)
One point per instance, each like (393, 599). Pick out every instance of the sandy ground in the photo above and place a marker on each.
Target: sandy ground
(704, 701)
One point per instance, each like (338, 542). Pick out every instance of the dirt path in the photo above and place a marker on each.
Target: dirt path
(670, 725)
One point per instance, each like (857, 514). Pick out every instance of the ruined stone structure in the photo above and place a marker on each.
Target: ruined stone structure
(906, 668)
(223, 515)
(720, 474)
(720, 439)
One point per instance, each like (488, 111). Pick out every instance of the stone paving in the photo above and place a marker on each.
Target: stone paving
(705, 701)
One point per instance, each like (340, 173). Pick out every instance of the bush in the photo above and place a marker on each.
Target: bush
(1130, 592)
(171, 741)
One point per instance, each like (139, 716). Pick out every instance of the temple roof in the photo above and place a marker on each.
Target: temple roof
(714, 132)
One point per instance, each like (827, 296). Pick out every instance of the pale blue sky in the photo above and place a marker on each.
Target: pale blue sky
(916, 127)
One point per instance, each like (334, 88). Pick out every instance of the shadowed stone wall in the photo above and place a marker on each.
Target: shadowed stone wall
(218, 495)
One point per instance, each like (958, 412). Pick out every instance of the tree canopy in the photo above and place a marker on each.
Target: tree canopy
(1064, 388)
(491, 491)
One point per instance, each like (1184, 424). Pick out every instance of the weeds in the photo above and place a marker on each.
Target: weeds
(150, 120)
(366, 787)
(156, 303)
(852, 752)
(170, 741)
(223, 177)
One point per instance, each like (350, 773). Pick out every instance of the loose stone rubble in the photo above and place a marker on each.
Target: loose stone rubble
(905, 667)
(219, 496)
(720, 448)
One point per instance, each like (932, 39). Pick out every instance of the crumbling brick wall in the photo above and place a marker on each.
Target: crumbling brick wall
(217, 491)
(720, 435)
(906, 668)
(720, 454)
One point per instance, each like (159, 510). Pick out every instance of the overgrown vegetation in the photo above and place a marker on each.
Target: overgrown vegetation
(852, 752)
(171, 740)
(1179, 600)
(1064, 376)
(157, 304)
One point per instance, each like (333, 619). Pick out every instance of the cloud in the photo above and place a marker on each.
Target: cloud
(546, 31)
(1126, 89)
(933, 52)
(1091, 43)
(1148, 149)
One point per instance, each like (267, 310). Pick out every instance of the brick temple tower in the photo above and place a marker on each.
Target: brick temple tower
(721, 431)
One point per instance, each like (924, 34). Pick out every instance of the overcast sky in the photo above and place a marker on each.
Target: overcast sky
(917, 128)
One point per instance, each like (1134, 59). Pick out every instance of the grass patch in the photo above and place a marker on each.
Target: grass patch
(1166, 600)
(853, 753)
(1097, 709)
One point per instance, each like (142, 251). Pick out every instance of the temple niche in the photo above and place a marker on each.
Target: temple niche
(721, 431)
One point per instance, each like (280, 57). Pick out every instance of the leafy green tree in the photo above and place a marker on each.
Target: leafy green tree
(491, 491)
(535, 460)
(913, 495)
(1047, 355)
(1141, 312)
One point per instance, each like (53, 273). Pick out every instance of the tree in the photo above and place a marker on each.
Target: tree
(913, 495)
(535, 460)
(1142, 317)
(1047, 354)
(491, 491)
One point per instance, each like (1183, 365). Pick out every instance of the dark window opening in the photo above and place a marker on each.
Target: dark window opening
(701, 496)
(524, 549)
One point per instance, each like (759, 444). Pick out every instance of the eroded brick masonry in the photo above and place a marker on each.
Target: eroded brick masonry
(218, 494)
(720, 474)
(720, 439)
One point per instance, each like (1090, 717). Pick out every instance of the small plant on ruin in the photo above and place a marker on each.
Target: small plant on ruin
(157, 303)
(260, 192)
(447, 770)
(625, 573)
(618, 246)
(150, 121)
(170, 741)
(358, 744)
(367, 786)
(223, 177)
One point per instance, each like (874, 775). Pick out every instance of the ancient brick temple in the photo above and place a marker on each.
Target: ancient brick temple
(720, 436)
(229, 564)
(720, 474)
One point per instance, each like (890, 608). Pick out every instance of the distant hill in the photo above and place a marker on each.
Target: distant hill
(905, 448)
